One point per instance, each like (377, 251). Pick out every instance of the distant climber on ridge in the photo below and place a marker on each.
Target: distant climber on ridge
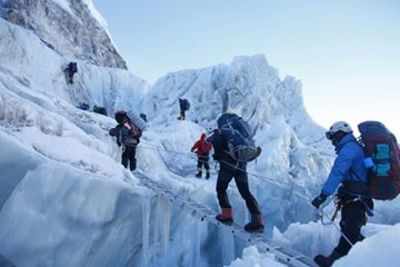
(70, 71)
(202, 148)
(128, 136)
(184, 105)
(233, 148)
(143, 117)
(350, 173)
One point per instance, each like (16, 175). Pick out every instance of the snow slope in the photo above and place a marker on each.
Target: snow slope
(22, 55)
(73, 28)
(379, 250)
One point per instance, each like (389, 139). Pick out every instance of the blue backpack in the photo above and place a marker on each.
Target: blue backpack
(238, 135)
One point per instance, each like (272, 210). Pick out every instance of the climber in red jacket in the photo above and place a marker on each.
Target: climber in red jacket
(202, 148)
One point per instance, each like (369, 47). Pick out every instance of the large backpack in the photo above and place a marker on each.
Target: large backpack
(133, 123)
(238, 135)
(381, 147)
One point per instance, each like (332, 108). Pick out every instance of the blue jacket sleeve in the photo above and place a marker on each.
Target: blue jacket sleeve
(339, 170)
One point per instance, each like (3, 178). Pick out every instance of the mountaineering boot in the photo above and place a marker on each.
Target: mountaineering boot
(323, 261)
(225, 216)
(255, 225)
(208, 175)
(133, 165)
(198, 175)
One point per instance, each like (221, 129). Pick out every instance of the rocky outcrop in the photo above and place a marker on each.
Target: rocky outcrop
(69, 27)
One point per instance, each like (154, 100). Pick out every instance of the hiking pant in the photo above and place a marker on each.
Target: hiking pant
(182, 115)
(353, 218)
(203, 161)
(225, 176)
(128, 156)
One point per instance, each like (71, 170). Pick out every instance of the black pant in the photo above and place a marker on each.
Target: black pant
(203, 161)
(226, 175)
(183, 115)
(128, 156)
(353, 218)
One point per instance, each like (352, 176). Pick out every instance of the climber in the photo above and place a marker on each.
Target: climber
(143, 117)
(202, 148)
(70, 71)
(128, 136)
(184, 105)
(229, 169)
(353, 198)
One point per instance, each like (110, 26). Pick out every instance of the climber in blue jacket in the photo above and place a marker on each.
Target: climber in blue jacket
(348, 172)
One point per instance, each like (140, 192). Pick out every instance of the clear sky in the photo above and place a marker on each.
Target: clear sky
(346, 52)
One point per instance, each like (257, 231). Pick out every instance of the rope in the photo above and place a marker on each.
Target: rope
(205, 214)
(270, 180)
(262, 177)
(322, 214)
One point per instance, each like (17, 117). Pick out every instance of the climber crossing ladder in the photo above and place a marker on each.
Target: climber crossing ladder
(284, 255)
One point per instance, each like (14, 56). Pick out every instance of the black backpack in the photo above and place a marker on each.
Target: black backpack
(73, 67)
(184, 103)
(238, 135)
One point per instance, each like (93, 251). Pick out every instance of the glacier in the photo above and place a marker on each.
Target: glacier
(63, 191)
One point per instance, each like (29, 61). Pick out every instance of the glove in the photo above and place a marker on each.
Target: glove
(119, 143)
(319, 200)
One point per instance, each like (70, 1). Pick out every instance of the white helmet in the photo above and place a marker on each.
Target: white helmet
(337, 127)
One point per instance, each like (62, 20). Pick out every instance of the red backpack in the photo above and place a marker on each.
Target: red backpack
(380, 146)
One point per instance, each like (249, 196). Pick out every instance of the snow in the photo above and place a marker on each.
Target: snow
(252, 258)
(63, 212)
(96, 14)
(380, 250)
(22, 52)
(64, 192)
(65, 5)
(74, 29)
(315, 238)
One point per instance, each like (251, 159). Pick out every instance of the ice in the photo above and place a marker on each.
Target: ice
(379, 250)
(64, 4)
(314, 238)
(55, 210)
(96, 14)
(64, 192)
(252, 258)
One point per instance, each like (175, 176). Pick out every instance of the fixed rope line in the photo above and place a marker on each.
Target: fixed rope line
(265, 178)
(205, 214)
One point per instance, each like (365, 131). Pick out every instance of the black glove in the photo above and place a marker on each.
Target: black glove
(319, 200)
(119, 143)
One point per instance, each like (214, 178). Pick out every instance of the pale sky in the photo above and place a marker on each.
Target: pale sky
(346, 52)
